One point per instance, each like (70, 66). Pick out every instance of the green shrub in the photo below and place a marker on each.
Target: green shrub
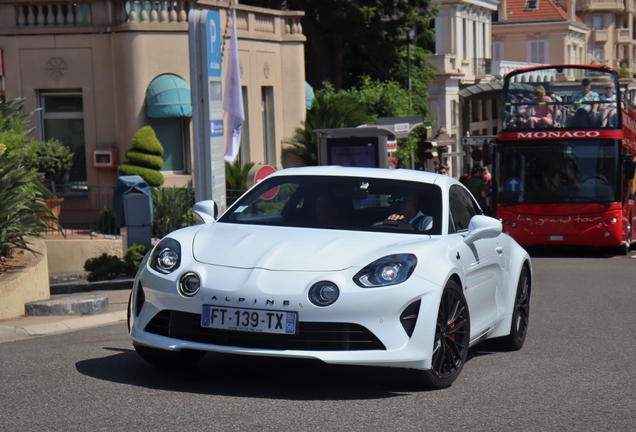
(145, 140)
(23, 212)
(106, 222)
(134, 255)
(152, 177)
(145, 160)
(104, 267)
(172, 209)
(54, 159)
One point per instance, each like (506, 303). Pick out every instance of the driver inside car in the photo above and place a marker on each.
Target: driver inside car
(403, 207)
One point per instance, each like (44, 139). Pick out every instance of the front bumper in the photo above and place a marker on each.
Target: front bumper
(365, 326)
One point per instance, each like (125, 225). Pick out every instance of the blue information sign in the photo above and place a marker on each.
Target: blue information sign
(216, 128)
(213, 32)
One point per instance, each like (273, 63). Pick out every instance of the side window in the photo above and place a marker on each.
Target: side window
(451, 224)
(462, 208)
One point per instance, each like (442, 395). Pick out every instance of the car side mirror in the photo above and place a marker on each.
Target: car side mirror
(482, 227)
(205, 212)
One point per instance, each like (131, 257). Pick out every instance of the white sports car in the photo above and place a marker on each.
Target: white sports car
(356, 266)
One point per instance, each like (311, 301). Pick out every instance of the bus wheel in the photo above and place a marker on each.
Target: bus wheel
(623, 249)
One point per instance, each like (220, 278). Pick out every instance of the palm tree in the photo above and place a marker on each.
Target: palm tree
(236, 175)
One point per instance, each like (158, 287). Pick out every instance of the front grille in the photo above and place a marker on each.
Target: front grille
(310, 336)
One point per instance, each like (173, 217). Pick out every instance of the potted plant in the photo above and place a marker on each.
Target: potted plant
(53, 160)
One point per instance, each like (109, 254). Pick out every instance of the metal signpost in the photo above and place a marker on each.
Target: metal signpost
(207, 106)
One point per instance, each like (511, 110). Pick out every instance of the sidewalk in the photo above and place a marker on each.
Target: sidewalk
(27, 326)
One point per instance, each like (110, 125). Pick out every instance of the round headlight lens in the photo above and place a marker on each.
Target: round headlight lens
(388, 273)
(323, 293)
(168, 258)
(189, 284)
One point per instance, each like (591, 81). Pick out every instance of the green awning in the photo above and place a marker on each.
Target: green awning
(476, 89)
(168, 96)
(309, 96)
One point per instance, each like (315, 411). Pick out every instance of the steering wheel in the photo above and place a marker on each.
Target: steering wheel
(393, 226)
(592, 180)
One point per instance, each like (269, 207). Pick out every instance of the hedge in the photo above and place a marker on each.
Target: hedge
(152, 177)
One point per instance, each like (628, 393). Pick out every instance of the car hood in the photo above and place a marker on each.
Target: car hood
(295, 249)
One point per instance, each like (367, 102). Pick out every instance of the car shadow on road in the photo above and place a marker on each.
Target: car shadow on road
(257, 377)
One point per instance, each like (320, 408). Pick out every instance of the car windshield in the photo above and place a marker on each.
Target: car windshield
(559, 171)
(340, 203)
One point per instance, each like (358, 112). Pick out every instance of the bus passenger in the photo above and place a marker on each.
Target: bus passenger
(608, 109)
(542, 116)
(584, 114)
(518, 113)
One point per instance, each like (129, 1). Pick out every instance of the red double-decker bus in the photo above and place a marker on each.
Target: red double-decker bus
(563, 169)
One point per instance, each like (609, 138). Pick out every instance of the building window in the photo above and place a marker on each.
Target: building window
(63, 119)
(171, 132)
(244, 152)
(537, 51)
(454, 112)
(269, 130)
(497, 51)
(465, 39)
(532, 4)
(597, 22)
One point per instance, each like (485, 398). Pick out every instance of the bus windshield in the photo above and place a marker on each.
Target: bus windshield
(558, 171)
(571, 97)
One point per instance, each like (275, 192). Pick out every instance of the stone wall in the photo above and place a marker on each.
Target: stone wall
(69, 256)
(27, 282)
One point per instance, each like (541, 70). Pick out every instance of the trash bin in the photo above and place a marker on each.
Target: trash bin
(132, 203)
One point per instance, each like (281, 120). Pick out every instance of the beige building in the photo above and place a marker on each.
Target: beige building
(540, 31)
(92, 68)
(611, 42)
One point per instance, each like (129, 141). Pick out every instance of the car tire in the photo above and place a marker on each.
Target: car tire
(452, 339)
(520, 317)
(169, 359)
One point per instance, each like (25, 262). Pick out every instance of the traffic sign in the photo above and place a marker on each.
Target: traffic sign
(256, 174)
(513, 184)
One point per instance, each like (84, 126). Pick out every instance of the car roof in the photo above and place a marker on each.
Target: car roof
(385, 173)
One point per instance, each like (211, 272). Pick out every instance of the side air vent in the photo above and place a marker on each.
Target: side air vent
(408, 319)
(140, 299)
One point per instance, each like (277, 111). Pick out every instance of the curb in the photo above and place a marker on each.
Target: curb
(67, 304)
(8, 334)
(84, 286)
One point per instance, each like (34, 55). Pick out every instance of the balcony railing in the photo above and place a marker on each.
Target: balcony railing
(623, 35)
(45, 16)
(601, 5)
(501, 68)
(600, 36)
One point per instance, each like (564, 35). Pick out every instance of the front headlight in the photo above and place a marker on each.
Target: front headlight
(166, 256)
(389, 270)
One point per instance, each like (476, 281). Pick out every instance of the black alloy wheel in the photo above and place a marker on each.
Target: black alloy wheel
(452, 339)
(520, 317)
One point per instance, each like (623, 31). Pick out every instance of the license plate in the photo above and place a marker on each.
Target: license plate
(252, 320)
(556, 238)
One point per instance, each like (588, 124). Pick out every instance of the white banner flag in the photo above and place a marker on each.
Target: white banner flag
(233, 98)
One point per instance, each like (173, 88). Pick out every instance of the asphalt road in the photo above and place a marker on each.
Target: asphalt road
(575, 372)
